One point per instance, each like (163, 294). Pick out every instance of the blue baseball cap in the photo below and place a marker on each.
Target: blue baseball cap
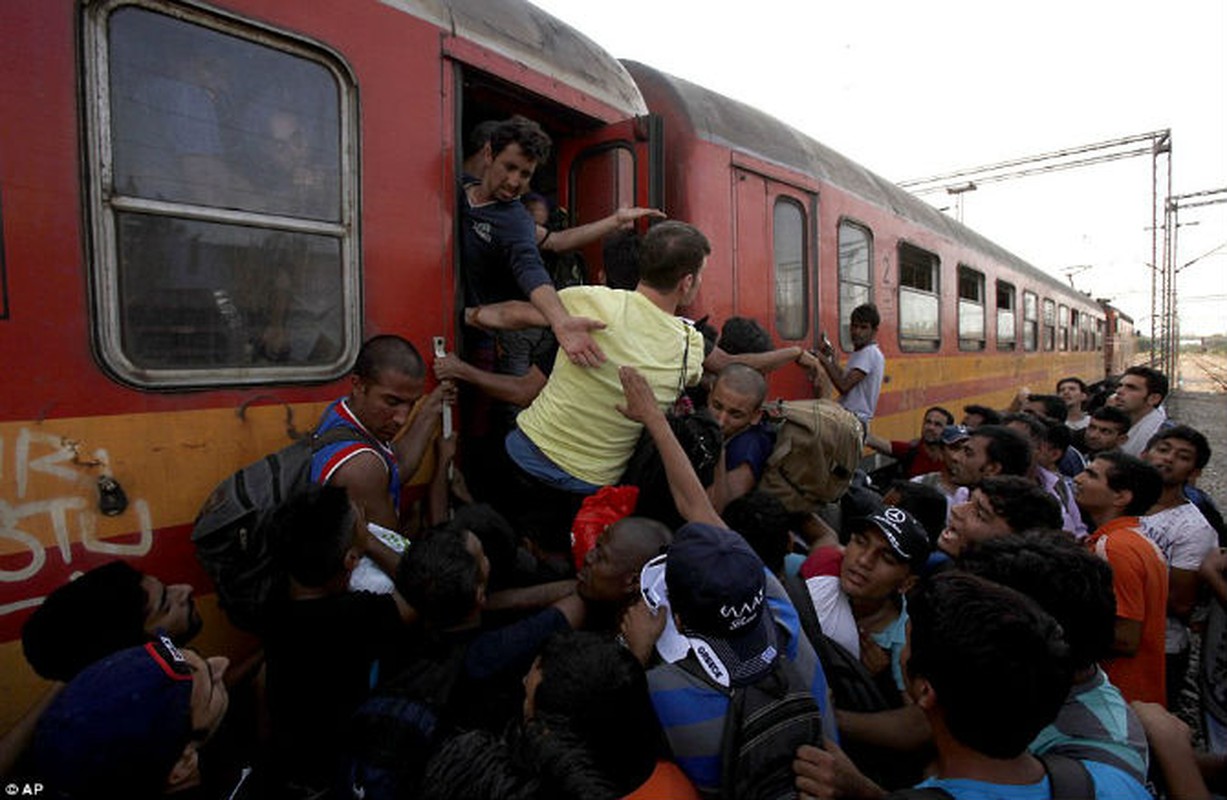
(952, 434)
(717, 585)
(120, 725)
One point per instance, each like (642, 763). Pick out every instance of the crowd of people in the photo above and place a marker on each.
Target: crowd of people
(1011, 609)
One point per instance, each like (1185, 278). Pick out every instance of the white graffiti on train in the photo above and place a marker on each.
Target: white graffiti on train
(61, 459)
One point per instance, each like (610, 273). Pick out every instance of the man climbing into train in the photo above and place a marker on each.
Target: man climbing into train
(388, 380)
(860, 383)
(499, 240)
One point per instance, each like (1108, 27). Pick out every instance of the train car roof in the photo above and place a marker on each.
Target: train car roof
(734, 124)
(518, 30)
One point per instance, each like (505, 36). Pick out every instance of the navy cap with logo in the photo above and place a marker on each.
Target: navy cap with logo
(953, 434)
(906, 536)
(717, 585)
(120, 725)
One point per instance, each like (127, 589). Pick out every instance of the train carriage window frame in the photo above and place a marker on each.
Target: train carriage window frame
(1049, 329)
(1007, 316)
(223, 200)
(1031, 313)
(972, 335)
(789, 260)
(1063, 342)
(920, 324)
(855, 243)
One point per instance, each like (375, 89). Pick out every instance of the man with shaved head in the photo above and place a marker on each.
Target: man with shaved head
(736, 403)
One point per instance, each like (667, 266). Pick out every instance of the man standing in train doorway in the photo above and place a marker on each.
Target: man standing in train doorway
(861, 382)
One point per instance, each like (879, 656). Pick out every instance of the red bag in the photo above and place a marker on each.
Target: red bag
(598, 512)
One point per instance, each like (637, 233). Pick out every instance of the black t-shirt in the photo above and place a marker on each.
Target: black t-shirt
(320, 655)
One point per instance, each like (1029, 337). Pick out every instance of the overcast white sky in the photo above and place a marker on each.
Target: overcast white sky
(912, 89)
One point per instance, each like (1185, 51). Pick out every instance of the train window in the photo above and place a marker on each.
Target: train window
(1031, 313)
(1063, 327)
(788, 246)
(919, 301)
(855, 275)
(971, 309)
(1007, 325)
(1050, 324)
(1099, 329)
(223, 179)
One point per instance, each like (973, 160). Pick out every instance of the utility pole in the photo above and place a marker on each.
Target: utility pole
(1171, 319)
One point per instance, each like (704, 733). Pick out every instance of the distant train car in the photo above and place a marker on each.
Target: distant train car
(1120, 341)
(205, 208)
(802, 235)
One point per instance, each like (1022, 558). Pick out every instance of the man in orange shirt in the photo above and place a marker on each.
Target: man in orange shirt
(1114, 490)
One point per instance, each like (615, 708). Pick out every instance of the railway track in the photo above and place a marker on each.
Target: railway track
(1216, 373)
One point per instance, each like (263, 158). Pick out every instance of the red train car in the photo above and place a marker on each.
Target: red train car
(205, 208)
(802, 235)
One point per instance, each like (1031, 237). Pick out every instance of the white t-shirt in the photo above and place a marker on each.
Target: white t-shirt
(862, 399)
(1185, 538)
(1142, 430)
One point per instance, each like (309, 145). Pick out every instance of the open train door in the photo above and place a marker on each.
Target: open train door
(617, 166)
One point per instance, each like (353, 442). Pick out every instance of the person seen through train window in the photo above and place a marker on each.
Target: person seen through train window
(1140, 394)
(860, 383)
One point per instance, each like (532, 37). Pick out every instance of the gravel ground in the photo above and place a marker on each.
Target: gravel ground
(1197, 404)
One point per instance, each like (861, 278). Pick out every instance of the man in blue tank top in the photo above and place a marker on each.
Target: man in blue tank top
(388, 380)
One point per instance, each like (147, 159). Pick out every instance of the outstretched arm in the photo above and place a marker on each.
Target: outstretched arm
(574, 238)
(688, 493)
(769, 361)
(519, 390)
(510, 315)
(573, 333)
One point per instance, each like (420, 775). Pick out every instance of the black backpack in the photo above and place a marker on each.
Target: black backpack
(231, 530)
(394, 732)
(766, 722)
(699, 435)
(1068, 780)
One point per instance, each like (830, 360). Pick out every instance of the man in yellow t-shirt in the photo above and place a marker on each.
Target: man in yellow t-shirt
(572, 438)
